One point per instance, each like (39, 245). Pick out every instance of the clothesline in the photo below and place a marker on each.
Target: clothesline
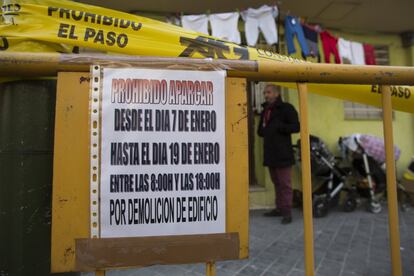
(263, 20)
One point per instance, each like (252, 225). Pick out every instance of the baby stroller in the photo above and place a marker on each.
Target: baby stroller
(325, 167)
(368, 161)
(407, 185)
(409, 172)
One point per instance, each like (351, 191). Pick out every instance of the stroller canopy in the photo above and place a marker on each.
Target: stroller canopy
(372, 145)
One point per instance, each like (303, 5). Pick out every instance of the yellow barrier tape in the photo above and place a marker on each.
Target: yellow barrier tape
(49, 25)
(71, 23)
(24, 44)
(402, 96)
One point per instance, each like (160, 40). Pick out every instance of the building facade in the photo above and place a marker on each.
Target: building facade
(329, 120)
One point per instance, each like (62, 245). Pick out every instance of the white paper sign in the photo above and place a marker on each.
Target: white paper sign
(162, 152)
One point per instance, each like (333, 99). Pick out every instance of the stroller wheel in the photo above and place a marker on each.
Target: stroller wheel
(320, 207)
(374, 207)
(403, 198)
(350, 204)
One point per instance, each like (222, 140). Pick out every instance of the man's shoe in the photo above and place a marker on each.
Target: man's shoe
(286, 220)
(273, 213)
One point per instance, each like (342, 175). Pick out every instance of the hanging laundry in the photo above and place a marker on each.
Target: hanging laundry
(358, 56)
(197, 23)
(369, 52)
(311, 36)
(262, 18)
(351, 52)
(292, 27)
(329, 44)
(225, 26)
(345, 51)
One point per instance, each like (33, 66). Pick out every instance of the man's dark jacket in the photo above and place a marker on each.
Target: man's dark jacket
(282, 122)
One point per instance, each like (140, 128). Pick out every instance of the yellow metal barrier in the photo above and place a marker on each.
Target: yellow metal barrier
(48, 64)
(19, 64)
(306, 178)
(211, 269)
(391, 182)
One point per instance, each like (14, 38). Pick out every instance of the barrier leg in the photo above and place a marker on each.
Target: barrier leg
(100, 273)
(393, 224)
(210, 269)
(306, 178)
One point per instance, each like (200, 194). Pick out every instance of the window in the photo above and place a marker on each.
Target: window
(356, 111)
(382, 55)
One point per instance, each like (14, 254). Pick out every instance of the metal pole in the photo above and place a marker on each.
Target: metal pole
(306, 178)
(48, 64)
(210, 269)
(393, 224)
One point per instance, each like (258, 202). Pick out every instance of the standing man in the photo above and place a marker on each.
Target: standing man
(277, 122)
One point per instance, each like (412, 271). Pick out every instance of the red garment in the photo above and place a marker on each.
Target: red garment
(369, 52)
(281, 178)
(329, 44)
(267, 113)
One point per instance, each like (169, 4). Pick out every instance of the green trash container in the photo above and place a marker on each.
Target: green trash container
(27, 110)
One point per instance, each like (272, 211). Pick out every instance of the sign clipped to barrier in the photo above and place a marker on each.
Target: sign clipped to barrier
(161, 161)
(162, 155)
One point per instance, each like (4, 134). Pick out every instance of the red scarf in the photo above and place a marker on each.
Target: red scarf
(267, 113)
